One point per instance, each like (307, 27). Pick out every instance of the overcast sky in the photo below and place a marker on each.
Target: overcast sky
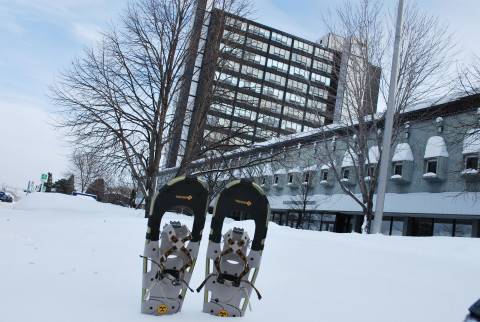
(39, 38)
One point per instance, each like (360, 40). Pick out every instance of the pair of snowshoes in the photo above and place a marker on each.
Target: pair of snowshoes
(170, 256)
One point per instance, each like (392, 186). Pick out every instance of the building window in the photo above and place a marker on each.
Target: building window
(271, 106)
(247, 99)
(268, 120)
(324, 175)
(471, 162)
(323, 54)
(251, 71)
(463, 228)
(305, 61)
(370, 171)
(345, 173)
(291, 126)
(229, 21)
(303, 46)
(248, 85)
(314, 104)
(280, 52)
(254, 58)
(263, 180)
(277, 65)
(281, 38)
(234, 37)
(311, 117)
(322, 66)
(229, 50)
(290, 178)
(274, 78)
(276, 179)
(443, 227)
(306, 177)
(397, 168)
(256, 44)
(259, 31)
(298, 86)
(273, 92)
(321, 79)
(295, 99)
(431, 166)
(299, 72)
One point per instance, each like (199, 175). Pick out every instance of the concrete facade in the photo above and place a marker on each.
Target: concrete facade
(436, 191)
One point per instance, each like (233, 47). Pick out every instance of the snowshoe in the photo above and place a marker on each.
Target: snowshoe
(229, 284)
(169, 258)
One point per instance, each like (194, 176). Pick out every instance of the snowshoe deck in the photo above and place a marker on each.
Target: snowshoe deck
(169, 257)
(229, 284)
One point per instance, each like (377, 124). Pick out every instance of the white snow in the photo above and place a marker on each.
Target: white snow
(281, 171)
(325, 167)
(429, 175)
(471, 142)
(469, 171)
(267, 170)
(350, 159)
(403, 152)
(310, 168)
(237, 173)
(373, 155)
(69, 259)
(436, 147)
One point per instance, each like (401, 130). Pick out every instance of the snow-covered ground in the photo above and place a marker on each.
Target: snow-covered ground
(64, 258)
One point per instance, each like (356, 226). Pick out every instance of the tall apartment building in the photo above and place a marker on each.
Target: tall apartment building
(265, 82)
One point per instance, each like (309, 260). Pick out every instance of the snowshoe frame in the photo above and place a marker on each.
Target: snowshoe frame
(232, 284)
(166, 282)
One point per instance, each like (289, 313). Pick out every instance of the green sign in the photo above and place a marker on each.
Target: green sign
(44, 177)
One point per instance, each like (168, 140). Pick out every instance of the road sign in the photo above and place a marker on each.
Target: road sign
(44, 177)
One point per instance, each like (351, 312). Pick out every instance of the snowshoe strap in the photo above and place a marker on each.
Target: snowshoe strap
(251, 284)
(246, 267)
(205, 281)
(155, 262)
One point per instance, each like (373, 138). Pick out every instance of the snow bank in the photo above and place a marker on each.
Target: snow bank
(56, 202)
(83, 265)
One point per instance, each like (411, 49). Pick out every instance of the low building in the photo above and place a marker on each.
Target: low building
(433, 187)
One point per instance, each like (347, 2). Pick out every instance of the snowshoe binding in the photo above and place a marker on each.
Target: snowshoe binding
(229, 284)
(169, 258)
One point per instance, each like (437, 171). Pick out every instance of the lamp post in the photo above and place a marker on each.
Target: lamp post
(387, 135)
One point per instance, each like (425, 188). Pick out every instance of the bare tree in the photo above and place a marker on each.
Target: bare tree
(302, 181)
(467, 129)
(469, 77)
(352, 144)
(118, 96)
(87, 167)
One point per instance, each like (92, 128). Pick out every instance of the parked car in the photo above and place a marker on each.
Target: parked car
(5, 197)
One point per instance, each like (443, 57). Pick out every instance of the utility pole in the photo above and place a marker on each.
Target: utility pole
(387, 135)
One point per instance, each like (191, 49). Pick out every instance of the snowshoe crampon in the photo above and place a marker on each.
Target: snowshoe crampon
(169, 257)
(230, 282)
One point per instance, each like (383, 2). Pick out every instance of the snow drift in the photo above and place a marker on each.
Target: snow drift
(71, 259)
